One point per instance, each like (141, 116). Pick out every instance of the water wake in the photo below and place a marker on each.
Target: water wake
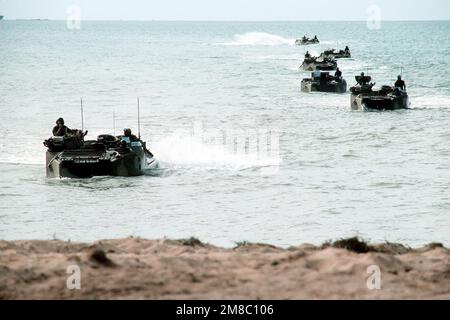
(430, 101)
(259, 39)
(191, 151)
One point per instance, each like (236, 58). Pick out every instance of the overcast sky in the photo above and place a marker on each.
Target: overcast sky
(227, 9)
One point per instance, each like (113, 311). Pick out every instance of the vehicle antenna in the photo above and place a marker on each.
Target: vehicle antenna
(139, 120)
(82, 116)
(114, 122)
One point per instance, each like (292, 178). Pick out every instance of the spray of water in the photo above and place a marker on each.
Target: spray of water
(189, 150)
(260, 39)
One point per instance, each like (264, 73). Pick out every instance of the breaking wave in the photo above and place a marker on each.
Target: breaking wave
(190, 151)
(429, 101)
(259, 39)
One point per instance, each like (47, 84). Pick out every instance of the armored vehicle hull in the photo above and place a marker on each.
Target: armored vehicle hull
(72, 157)
(324, 85)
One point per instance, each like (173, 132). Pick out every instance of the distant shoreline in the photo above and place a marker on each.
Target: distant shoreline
(189, 269)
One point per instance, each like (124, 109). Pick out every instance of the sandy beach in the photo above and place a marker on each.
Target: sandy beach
(135, 268)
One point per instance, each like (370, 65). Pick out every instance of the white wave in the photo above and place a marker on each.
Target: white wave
(181, 150)
(17, 160)
(353, 63)
(429, 101)
(291, 57)
(259, 39)
(26, 151)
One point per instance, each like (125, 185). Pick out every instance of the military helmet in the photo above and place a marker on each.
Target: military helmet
(127, 132)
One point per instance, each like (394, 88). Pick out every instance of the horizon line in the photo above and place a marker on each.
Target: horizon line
(181, 20)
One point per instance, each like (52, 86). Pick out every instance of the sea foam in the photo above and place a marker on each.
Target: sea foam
(260, 39)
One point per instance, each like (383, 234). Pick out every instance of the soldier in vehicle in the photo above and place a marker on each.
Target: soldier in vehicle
(307, 55)
(363, 80)
(338, 74)
(128, 137)
(60, 130)
(400, 84)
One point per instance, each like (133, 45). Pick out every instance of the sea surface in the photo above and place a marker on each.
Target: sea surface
(300, 167)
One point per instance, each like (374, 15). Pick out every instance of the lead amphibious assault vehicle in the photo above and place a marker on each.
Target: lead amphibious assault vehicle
(72, 156)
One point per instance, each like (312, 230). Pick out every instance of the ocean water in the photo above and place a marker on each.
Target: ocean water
(322, 171)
